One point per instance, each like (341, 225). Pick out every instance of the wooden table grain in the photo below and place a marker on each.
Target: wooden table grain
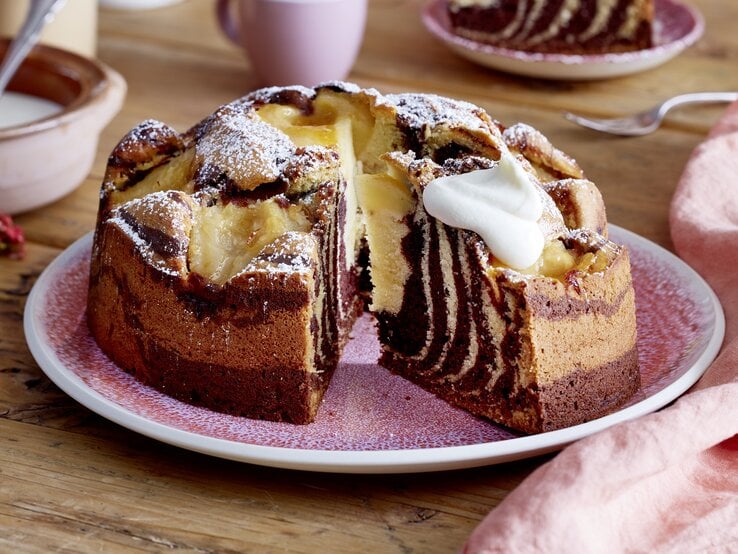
(71, 481)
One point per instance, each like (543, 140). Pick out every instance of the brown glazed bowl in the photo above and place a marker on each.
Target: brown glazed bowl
(45, 159)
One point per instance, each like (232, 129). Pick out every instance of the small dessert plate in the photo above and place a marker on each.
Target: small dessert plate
(371, 421)
(676, 26)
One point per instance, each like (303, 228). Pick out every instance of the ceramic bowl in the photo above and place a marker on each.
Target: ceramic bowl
(45, 159)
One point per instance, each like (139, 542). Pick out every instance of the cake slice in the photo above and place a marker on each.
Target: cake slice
(556, 26)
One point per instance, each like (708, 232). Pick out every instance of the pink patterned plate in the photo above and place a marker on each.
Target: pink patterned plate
(676, 26)
(371, 421)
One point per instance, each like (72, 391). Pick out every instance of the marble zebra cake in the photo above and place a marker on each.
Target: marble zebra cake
(228, 260)
(560, 26)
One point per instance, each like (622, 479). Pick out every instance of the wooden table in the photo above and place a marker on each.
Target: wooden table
(72, 481)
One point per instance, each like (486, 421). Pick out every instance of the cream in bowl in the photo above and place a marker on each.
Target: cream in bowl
(50, 120)
(19, 109)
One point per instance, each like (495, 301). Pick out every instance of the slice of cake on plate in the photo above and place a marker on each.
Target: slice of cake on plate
(556, 26)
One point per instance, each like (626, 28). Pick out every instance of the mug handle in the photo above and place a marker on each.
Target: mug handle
(226, 22)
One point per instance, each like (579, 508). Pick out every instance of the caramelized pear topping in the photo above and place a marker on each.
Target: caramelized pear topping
(225, 238)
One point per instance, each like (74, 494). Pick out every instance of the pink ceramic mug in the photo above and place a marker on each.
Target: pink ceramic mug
(296, 42)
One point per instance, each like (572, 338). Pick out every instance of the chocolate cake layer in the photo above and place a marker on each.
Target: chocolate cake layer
(511, 350)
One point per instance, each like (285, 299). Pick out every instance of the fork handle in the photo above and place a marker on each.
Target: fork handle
(698, 98)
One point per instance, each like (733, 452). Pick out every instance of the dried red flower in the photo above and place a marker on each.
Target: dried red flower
(12, 241)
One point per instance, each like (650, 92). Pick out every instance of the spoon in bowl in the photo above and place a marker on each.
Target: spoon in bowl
(40, 12)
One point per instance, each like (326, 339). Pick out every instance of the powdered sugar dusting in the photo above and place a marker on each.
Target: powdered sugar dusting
(287, 255)
(165, 206)
(267, 94)
(250, 151)
(429, 110)
(149, 131)
(366, 407)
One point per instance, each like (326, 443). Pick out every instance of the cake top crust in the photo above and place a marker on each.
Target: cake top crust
(240, 145)
(295, 147)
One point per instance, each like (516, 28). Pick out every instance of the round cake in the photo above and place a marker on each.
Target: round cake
(231, 261)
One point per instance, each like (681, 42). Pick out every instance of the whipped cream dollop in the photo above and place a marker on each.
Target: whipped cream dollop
(500, 204)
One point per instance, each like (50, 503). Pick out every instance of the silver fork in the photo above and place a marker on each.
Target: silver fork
(648, 121)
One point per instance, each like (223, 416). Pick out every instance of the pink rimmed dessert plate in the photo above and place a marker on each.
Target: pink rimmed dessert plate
(371, 421)
(676, 26)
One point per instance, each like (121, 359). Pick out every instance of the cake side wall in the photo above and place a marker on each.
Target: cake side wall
(586, 346)
(183, 344)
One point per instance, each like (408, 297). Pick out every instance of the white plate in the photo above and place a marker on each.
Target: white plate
(371, 421)
(676, 26)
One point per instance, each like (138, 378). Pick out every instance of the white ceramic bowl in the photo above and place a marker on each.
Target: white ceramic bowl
(45, 159)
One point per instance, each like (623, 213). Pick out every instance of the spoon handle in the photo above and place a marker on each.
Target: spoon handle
(40, 12)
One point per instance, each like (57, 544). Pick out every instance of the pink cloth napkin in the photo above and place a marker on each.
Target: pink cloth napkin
(666, 482)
